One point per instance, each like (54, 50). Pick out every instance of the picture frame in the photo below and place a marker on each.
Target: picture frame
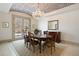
(53, 25)
(5, 24)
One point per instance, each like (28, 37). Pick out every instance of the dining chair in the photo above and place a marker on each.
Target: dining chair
(50, 42)
(26, 40)
(32, 40)
(45, 32)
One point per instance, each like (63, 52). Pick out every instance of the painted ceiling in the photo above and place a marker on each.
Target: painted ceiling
(31, 7)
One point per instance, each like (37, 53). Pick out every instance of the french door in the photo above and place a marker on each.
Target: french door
(19, 24)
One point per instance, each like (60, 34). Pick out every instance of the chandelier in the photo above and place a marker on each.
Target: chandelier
(38, 12)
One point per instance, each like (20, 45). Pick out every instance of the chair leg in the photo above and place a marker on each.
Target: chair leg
(33, 48)
(51, 48)
(43, 48)
(54, 47)
(27, 44)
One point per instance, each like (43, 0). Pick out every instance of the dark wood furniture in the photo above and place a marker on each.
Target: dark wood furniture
(56, 36)
(42, 38)
(26, 40)
(29, 40)
(32, 40)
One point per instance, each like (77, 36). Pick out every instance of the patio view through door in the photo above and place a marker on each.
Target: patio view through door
(20, 24)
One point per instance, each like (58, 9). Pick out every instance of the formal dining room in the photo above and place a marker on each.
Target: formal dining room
(39, 29)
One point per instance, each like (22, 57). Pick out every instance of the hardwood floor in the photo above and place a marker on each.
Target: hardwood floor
(18, 48)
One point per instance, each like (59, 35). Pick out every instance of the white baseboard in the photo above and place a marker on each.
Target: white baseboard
(70, 42)
(8, 40)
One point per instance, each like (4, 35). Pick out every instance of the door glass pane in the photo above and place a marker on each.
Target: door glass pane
(18, 27)
(27, 24)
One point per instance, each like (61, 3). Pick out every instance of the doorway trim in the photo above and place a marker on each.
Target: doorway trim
(13, 24)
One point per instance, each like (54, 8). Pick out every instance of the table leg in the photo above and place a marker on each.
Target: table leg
(40, 46)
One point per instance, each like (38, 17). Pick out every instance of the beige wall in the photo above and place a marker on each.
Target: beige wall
(5, 33)
(68, 22)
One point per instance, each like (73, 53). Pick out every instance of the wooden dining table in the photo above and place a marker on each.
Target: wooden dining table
(41, 38)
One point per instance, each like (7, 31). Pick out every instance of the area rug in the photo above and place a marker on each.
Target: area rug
(22, 50)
